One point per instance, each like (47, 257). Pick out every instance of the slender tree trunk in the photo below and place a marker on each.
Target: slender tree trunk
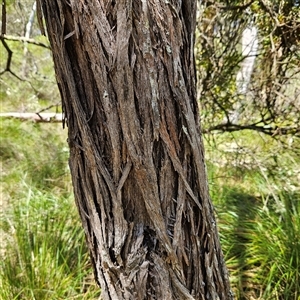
(126, 74)
(27, 34)
(249, 52)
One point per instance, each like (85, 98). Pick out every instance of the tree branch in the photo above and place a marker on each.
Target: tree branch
(269, 130)
(36, 117)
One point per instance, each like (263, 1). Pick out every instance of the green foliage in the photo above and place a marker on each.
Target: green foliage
(275, 248)
(269, 100)
(262, 246)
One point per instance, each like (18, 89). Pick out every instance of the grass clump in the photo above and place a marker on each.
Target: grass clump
(275, 247)
(45, 255)
(261, 244)
(257, 200)
(42, 253)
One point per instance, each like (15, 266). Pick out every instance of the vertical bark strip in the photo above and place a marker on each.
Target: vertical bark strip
(125, 70)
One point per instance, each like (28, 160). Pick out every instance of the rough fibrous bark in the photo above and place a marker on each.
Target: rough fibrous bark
(125, 70)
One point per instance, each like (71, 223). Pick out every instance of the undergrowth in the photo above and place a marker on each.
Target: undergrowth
(254, 186)
(45, 256)
(43, 253)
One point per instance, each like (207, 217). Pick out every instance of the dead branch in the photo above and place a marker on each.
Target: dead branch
(35, 117)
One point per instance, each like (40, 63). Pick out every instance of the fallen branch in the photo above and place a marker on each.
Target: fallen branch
(36, 117)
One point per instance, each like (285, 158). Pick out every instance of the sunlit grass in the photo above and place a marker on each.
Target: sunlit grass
(275, 247)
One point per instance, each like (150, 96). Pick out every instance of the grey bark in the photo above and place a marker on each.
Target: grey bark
(126, 73)
(28, 30)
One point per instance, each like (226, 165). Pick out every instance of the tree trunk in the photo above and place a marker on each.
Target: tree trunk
(125, 70)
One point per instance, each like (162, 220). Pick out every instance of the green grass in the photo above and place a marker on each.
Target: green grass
(45, 255)
(34, 154)
(261, 245)
(42, 253)
(275, 247)
(256, 192)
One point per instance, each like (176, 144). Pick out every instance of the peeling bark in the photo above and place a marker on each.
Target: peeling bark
(126, 73)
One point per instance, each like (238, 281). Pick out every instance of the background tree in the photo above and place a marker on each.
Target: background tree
(126, 74)
(271, 101)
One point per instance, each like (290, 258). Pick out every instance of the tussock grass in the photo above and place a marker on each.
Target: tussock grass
(261, 245)
(42, 253)
(45, 255)
(257, 200)
(275, 247)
